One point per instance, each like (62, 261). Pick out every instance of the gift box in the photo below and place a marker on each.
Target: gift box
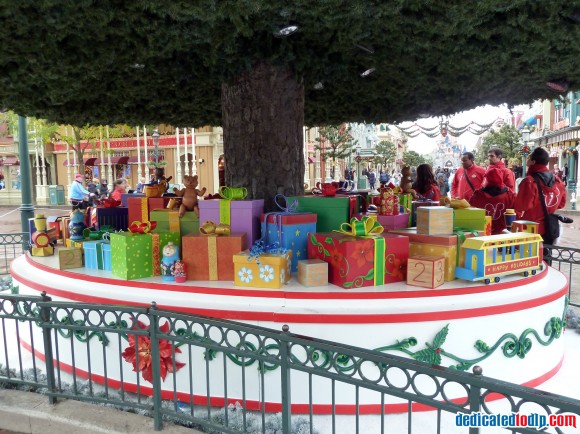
(69, 257)
(389, 222)
(439, 245)
(269, 270)
(356, 261)
(331, 211)
(488, 225)
(290, 230)
(55, 223)
(79, 244)
(97, 255)
(169, 221)
(434, 220)
(131, 255)
(210, 257)
(425, 271)
(115, 217)
(388, 202)
(241, 215)
(417, 204)
(154, 203)
(472, 218)
(406, 204)
(312, 272)
(126, 196)
(138, 209)
(448, 252)
(158, 241)
(65, 234)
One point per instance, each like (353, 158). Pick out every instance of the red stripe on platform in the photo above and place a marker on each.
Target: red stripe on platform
(274, 407)
(288, 294)
(316, 318)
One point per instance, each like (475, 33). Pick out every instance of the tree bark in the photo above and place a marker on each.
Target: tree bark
(263, 120)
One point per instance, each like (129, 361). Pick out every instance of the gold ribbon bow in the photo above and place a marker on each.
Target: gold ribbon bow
(361, 228)
(210, 228)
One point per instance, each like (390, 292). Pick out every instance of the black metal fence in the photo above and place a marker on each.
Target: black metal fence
(11, 247)
(567, 260)
(232, 360)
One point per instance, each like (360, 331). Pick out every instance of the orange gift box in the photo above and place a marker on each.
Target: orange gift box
(210, 257)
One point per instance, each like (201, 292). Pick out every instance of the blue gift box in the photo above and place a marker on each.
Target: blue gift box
(97, 255)
(290, 230)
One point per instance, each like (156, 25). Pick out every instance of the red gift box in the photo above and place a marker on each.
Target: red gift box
(351, 260)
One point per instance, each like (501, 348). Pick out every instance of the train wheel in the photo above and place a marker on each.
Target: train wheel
(497, 279)
(534, 272)
(526, 274)
(487, 281)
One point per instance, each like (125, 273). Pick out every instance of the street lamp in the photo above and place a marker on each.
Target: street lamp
(359, 181)
(155, 137)
(524, 150)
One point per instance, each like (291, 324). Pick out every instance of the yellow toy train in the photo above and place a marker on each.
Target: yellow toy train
(487, 258)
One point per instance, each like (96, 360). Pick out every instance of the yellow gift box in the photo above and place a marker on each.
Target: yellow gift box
(42, 251)
(272, 271)
(448, 252)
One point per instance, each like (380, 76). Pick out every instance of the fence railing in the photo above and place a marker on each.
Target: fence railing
(567, 260)
(119, 356)
(11, 247)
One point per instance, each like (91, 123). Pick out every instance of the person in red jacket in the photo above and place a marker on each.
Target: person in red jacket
(528, 205)
(495, 198)
(468, 179)
(495, 160)
(425, 185)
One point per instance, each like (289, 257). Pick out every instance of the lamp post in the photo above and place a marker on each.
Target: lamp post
(525, 138)
(356, 187)
(155, 137)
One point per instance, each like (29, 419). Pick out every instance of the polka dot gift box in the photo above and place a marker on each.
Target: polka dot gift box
(131, 255)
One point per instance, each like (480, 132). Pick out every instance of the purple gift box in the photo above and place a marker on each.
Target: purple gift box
(390, 222)
(125, 197)
(244, 215)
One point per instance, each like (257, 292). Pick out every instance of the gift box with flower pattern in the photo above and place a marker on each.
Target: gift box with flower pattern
(268, 270)
(357, 261)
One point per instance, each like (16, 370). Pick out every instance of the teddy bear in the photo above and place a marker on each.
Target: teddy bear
(189, 195)
(406, 184)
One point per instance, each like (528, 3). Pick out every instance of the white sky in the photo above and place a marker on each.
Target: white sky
(481, 115)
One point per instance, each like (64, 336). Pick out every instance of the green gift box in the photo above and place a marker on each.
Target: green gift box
(131, 255)
(331, 211)
(469, 218)
(169, 221)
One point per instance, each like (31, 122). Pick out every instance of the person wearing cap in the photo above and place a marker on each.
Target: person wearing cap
(78, 194)
(495, 198)
(104, 188)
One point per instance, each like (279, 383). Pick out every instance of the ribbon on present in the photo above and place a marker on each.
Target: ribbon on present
(460, 232)
(260, 247)
(107, 203)
(92, 234)
(142, 228)
(369, 228)
(155, 253)
(228, 194)
(210, 228)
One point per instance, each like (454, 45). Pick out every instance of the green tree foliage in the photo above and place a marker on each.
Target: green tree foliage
(413, 159)
(384, 154)
(506, 138)
(334, 142)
